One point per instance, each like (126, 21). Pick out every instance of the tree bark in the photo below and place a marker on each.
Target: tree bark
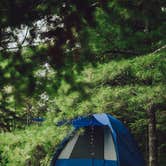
(152, 138)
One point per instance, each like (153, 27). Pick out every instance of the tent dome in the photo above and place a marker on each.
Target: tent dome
(105, 141)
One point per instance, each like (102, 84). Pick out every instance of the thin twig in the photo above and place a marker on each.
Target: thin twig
(25, 36)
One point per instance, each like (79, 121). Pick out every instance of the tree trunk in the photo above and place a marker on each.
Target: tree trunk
(152, 138)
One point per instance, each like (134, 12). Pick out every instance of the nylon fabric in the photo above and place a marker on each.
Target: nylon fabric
(84, 162)
(128, 150)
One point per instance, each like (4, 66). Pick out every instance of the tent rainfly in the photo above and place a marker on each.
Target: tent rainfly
(105, 141)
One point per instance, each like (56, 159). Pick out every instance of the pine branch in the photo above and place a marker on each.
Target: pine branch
(159, 49)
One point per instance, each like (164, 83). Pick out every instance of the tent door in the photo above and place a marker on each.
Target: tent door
(90, 144)
(89, 148)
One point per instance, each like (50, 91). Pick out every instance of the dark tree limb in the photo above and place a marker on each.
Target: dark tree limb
(152, 135)
(127, 52)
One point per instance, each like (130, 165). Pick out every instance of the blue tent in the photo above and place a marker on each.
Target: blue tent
(104, 142)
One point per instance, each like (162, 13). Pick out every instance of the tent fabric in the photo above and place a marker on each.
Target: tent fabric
(109, 146)
(127, 153)
(66, 152)
(85, 162)
(128, 150)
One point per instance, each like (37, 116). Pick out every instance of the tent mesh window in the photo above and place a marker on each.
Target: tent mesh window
(90, 144)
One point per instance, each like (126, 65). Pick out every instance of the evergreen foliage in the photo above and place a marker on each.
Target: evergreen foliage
(62, 59)
(103, 89)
